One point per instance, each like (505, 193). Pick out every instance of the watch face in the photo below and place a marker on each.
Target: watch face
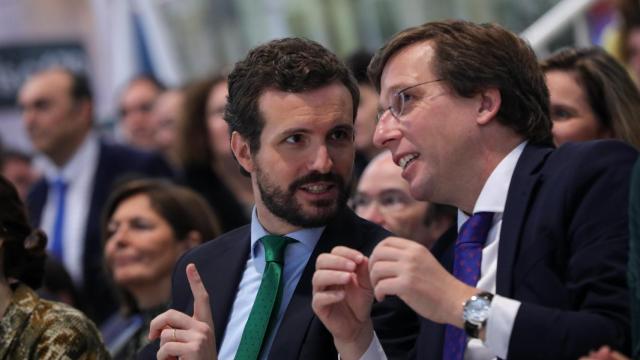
(476, 310)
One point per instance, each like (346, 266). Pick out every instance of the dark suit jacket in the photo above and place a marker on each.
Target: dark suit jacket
(562, 253)
(301, 335)
(115, 163)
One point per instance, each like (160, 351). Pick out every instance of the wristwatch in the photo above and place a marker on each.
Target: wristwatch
(475, 313)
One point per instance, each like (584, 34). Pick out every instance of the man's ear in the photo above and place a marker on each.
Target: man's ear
(242, 151)
(490, 101)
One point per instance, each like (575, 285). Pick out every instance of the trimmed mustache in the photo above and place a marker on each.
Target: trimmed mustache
(316, 176)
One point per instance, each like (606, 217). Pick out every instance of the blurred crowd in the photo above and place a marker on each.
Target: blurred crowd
(120, 208)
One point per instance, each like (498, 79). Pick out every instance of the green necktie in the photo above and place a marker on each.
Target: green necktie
(265, 308)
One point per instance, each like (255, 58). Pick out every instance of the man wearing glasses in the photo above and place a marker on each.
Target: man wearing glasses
(384, 198)
(538, 269)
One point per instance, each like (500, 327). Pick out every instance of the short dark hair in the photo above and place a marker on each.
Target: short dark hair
(80, 87)
(610, 91)
(23, 248)
(289, 64)
(358, 63)
(473, 57)
(180, 207)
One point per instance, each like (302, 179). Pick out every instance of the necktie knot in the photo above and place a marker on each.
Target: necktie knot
(476, 228)
(59, 184)
(274, 247)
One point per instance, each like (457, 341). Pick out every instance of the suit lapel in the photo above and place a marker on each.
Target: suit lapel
(225, 273)
(36, 201)
(524, 182)
(299, 314)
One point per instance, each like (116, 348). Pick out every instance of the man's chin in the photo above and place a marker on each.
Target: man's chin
(313, 215)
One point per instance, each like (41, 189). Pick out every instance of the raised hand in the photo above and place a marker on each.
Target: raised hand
(342, 299)
(187, 337)
(407, 269)
(604, 353)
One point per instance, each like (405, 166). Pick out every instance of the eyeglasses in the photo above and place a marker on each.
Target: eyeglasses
(398, 100)
(388, 201)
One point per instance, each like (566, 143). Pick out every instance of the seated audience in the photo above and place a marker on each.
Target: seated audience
(16, 166)
(136, 101)
(384, 197)
(365, 122)
(79, 171)
(629, 41)
(205, 154)
(166, 114)
(592, 97)
(148, 225)
(30, 327)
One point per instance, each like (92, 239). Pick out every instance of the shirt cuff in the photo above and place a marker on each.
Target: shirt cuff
(374, 351)
(502, 315)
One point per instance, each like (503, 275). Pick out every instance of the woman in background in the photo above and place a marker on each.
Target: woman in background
(147, 226)
(32, 328)
(592, 97)
(205, 153)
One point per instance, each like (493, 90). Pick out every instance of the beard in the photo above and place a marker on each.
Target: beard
(285, 205)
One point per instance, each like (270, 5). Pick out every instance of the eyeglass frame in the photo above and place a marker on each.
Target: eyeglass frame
(406, 201)
(397, 94)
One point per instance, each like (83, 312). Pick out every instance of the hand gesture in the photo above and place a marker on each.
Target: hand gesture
(342, 298)
(187, 337)
(604, 353)
(407, 269)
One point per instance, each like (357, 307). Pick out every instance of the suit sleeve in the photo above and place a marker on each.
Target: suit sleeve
(594, 255)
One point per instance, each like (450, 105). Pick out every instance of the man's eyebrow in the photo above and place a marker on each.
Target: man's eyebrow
(348, 127)
(297, 130)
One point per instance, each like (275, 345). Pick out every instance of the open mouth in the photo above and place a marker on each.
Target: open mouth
(407, 159)
(318, 188)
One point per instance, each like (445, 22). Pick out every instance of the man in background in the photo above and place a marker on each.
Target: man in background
(136, 126)
(384, 197)
(79, 172)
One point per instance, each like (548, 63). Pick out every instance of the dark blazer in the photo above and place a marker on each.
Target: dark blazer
(301, 335)
(116, 163)
(562, 253)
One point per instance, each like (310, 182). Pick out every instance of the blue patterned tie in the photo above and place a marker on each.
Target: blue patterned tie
(466, 268)
(59, 187)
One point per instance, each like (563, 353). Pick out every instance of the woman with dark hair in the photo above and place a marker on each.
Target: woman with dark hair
(592, 97)
(206, 157)
(147, 226)
(32, 328)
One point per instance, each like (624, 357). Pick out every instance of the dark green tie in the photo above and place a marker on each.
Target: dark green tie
(265, 308)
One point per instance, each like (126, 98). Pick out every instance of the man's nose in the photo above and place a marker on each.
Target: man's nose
(386, 131)
(372, 213)
(322, 161)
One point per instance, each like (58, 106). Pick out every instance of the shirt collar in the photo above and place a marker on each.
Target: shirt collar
(308, 236)
(493, 196)
(87, 153)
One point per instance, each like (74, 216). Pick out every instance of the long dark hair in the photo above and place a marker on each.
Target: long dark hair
(23, 249)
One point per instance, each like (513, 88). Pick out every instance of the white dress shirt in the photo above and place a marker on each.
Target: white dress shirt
(79, 174)
(503, 311)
